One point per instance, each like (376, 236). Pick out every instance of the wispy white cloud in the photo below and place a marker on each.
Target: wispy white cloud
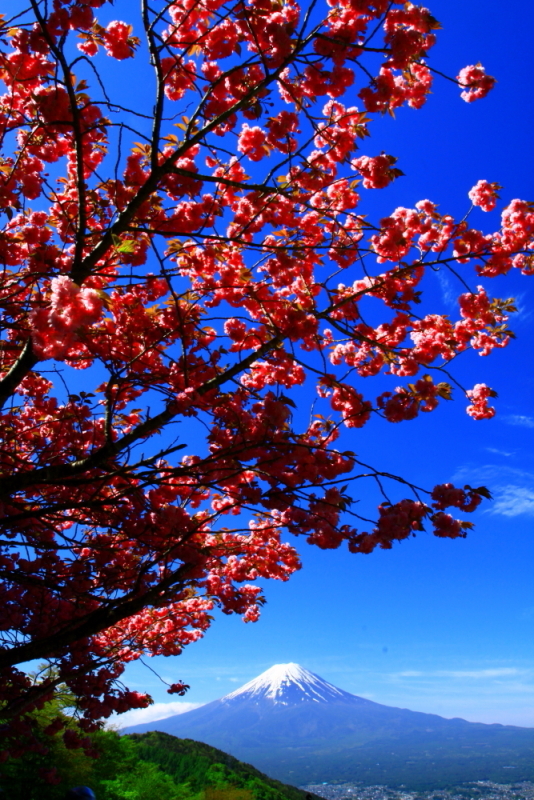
(156, 711)
(512, 489)
(524, 311)
(448, 293)
(499, 452)
(513, 501)
(519, 419)
(498, 672)
(482, 673)
(492, 473)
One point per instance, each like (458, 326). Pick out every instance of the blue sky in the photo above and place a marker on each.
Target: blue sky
(432, 625)
(437, 626)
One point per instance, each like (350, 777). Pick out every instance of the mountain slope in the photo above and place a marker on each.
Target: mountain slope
(198, 766)
(296, 727)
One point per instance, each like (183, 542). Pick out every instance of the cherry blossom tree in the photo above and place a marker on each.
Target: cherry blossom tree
(172, 273)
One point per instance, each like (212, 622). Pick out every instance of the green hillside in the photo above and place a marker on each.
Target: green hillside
(150, 766)
(200, 766)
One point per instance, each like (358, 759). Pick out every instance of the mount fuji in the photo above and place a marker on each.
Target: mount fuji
(287, 685)
(298, 728)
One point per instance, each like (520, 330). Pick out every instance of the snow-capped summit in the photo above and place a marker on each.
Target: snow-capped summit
(287, 684)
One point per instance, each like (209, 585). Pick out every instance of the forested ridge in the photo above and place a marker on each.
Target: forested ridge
(200, 766)
(150, 766)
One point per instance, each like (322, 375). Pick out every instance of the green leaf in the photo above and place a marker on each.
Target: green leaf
(126, 247)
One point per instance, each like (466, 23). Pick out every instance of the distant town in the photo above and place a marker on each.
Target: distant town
(477, 790)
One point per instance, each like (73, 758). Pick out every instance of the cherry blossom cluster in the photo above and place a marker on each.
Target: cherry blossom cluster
(466, 499)
(479, 396)
(116, 38)
(71, 310)
(377, 172)
(476, 82)
(407, 402)
(484, 195)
